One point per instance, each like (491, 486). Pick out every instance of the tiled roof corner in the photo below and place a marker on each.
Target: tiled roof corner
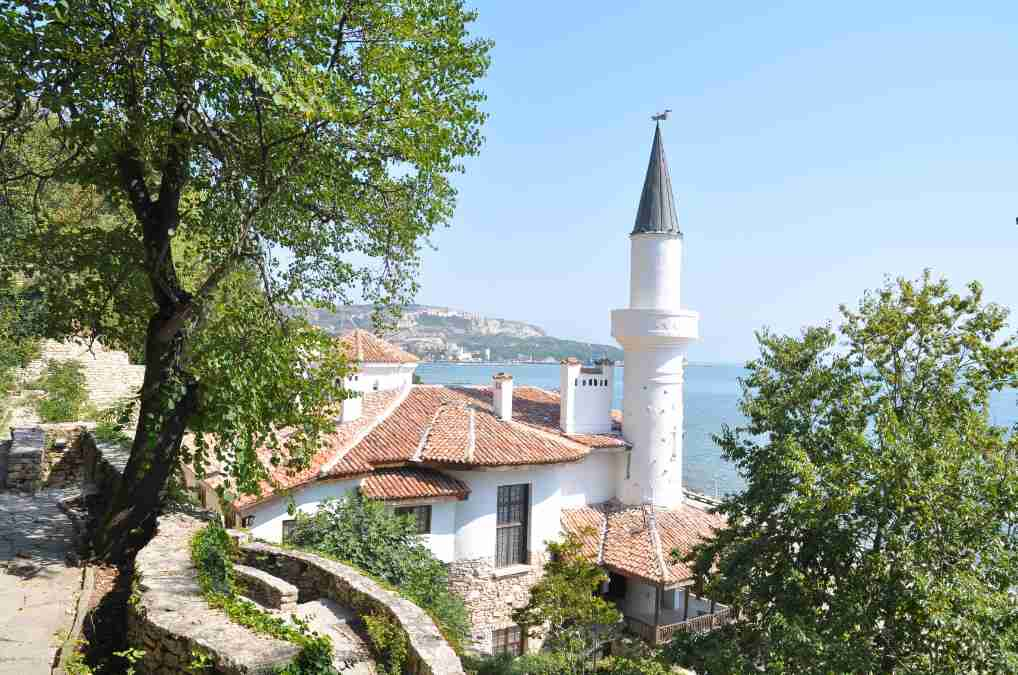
(636, 540)
(366, 347)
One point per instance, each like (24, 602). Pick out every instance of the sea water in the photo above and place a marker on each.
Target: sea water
(712, 394)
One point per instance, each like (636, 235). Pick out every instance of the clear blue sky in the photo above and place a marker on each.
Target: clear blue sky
(814, 149)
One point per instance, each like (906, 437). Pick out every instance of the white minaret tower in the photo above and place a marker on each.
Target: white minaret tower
(654, 332)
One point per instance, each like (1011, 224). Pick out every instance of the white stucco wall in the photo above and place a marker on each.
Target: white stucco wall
(591, 481)
(442, 540)
(387, 376)
(476, 517)
(269, 517)
(552, 488)
(639, 601)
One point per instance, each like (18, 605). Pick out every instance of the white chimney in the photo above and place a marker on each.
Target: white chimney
(350, 408)
(503, 396)
(586, 397)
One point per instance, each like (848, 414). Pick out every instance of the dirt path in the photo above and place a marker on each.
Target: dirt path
(38, 591)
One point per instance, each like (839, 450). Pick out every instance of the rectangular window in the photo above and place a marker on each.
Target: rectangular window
(508, 641)
(511, 529)
(422, 514)
(288, 526)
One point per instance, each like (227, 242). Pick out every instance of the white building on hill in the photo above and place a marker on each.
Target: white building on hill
(492, 473)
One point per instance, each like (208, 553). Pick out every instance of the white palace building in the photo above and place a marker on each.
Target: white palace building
(493, 473)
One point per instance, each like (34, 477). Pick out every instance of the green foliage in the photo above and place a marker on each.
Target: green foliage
(621, 665)
(18, 343)
(213, 163)
(75, 663)
(563, 607)
(365, 534)
(66, 393)
(114, 422)
(877, 531)
(390, 643)
(131, 656)
(556, 663)
(212, 552)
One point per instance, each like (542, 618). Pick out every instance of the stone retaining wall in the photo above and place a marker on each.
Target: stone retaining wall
(25, 458)
(317, 577)
(61, 462)
(173, 623)
(265, 589)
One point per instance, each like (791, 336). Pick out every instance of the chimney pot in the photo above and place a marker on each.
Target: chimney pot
(502, 393)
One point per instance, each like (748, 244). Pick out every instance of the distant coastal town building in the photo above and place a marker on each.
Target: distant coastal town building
(492, 473)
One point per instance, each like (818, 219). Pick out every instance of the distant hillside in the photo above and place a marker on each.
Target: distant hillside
(440, 333)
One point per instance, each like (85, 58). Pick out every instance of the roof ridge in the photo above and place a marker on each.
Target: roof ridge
(655, 539)
(604, 535)
(362, 434)
(418, 454)
(471, 434)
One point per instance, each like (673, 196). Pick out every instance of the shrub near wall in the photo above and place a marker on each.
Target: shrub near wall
(66, 398)
(363, 533)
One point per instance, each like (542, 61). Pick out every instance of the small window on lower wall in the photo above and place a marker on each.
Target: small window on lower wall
(288, 526)
(421, 514)
(507, 641)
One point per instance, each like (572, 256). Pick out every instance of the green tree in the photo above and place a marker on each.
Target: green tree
(877, 531)
(306, 146)
(564, 610)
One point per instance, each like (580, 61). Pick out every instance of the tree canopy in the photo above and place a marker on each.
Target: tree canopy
(226, 160)
(878, 531)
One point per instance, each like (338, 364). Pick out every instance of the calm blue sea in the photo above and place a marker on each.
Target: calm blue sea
(712, 400)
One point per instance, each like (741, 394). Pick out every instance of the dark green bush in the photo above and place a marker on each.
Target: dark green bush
(365, 534)
(66, 398)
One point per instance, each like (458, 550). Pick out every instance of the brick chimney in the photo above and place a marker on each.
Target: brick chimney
(502, 394)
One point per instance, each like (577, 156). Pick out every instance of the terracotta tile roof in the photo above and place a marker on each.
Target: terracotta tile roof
(540, 408)
(456, 425)
(367, 347)
(334, 450)
(412, 483)
(637, 541)
(443, 426)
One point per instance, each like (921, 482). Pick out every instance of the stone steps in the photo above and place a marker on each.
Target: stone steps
(351, 655)
(327, 617)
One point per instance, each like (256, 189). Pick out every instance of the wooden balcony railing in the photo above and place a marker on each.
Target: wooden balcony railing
(656, 635)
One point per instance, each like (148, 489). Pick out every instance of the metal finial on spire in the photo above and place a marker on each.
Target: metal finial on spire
(661, 115)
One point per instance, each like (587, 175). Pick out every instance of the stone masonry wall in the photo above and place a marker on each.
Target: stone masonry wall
(61, 462)
(109, 375)
(491, 594)
(173, 623)
(25, 458)
(316, 577)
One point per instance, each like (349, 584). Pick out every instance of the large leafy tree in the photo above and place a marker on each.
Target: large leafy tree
(564, 609)
(249, 156)
(878, 531)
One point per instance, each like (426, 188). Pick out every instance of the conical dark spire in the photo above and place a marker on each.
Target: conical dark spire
(657, 203)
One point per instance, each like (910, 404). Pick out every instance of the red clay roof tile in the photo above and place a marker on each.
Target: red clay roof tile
(637, 541)
(412, 483)
(366, 347)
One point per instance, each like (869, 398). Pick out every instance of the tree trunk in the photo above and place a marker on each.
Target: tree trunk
(168, 400)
